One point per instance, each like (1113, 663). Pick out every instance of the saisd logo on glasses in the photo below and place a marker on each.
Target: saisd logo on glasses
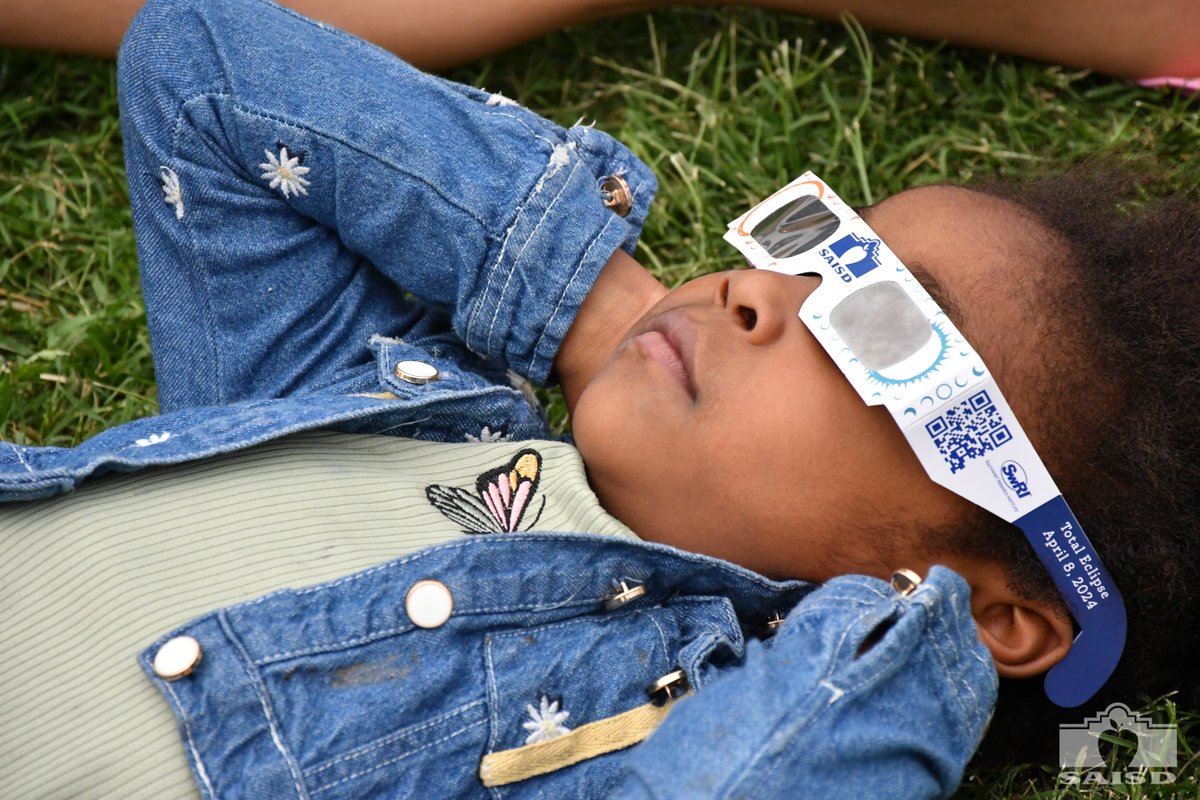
(852, 256)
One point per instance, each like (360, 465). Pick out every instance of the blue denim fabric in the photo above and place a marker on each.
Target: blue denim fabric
(805, 714)
(444, 226)
(465, 230)
(331, 692)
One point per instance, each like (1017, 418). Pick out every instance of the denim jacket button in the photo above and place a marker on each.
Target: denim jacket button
(616, 195)
(905, 582)
(416, 372)
(669, 686)
(624, 595)
(429, 604)
(177, 658)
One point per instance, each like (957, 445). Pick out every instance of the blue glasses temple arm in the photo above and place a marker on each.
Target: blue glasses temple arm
(1091, 595)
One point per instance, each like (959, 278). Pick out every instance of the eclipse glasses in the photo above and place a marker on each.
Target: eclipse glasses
(898, 349)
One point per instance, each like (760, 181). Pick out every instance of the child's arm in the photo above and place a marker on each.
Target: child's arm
(429, 35)
(1119, 37)
(267, 280)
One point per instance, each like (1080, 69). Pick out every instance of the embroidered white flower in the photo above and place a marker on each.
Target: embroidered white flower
(283, 173)
(154, 438)
(172, 192)
(487, 435)
(545, 723)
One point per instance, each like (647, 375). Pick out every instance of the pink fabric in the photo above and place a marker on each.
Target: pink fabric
(494, 505)
(518, 505)
(1187, 84)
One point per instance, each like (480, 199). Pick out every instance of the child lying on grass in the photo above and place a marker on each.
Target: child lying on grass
(332, 240)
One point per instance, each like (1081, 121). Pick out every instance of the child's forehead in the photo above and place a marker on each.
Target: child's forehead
(970, 250)
(958, 218)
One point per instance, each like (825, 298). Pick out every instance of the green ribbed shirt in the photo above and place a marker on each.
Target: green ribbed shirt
(90, 579)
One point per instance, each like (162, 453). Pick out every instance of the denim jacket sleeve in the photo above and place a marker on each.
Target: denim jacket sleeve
(808, 715)
(279, 307)
(466, 201)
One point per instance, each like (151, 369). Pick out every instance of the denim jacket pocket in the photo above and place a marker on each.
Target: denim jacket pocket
(388, 714)
(543, 686)
(418, 713)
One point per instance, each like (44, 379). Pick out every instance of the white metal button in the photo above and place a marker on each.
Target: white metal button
(177, 658)
(624, 595)
(614, 191)
(905, 582)
(416, 372)
(669, 686)
(429, 604)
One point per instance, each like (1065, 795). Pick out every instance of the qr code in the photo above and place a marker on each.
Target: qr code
(968, 430)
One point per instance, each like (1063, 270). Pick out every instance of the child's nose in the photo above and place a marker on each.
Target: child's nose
(762, 303)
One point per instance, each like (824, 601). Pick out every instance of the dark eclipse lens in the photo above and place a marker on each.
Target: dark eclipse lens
(796, 227)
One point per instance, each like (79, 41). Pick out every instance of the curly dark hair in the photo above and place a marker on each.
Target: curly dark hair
(1129, 465)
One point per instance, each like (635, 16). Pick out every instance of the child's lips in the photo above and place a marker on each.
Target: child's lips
(670, 343)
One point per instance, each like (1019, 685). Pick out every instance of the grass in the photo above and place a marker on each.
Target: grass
(724, 105)
(74, 351)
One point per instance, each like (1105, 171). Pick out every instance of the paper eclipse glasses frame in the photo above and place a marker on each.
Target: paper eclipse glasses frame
(898, 349)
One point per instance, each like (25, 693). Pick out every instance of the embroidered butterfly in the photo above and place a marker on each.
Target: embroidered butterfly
(501, 498)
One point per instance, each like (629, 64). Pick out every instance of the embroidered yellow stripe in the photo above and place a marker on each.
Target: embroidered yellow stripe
(586, 741)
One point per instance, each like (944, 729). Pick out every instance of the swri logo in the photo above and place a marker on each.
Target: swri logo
(852, 255)
(1014, 473)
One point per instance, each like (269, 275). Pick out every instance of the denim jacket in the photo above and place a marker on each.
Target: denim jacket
(311, 213)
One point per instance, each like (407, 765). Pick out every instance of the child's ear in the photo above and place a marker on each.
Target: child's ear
(1026, 637)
